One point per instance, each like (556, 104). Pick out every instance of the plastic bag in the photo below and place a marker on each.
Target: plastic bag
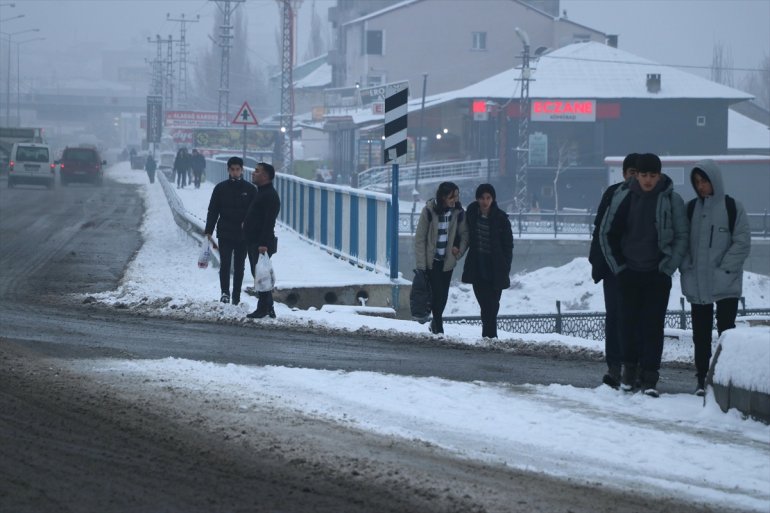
(205, 254)
(420, 297)
(264, 277)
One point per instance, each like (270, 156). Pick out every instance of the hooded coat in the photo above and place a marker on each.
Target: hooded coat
(670, 227)
(426, 237)
(713, 267)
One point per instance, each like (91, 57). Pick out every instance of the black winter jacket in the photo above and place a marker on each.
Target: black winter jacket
(599, 267)
(501, 237)
(259, 224)
(229, 203)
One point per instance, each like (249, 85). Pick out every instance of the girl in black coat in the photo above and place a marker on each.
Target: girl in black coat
(490, 252)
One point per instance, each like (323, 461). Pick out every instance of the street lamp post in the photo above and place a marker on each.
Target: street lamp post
(18, 75)
(8, 75)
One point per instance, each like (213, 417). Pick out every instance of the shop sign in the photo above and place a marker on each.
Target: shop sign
(563, 110)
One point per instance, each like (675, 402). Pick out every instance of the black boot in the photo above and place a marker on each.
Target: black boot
(628, 380)
(612, 377)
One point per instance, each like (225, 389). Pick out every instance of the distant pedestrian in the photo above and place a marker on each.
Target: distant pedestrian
(644, 239)
(490, 253)
(259, 229)
(229, 203)
(181, 167)
(440, 240)
(712, 272)
(198, 165)
(150, 166)
(600, 271)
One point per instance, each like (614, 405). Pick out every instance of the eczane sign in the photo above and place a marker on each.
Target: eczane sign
(563, 110)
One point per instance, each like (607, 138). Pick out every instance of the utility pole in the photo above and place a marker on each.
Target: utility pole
(288, 10)
(227, 8)
(522, 196)
(182, 79)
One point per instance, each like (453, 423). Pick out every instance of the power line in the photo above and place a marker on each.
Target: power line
(637, 63)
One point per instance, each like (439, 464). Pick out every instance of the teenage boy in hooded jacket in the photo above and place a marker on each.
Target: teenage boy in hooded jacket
(712, 271)
(644, 239)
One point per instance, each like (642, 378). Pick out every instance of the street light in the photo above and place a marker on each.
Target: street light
(8, 75)
(18, 74)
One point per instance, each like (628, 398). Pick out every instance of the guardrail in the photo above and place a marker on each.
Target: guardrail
(192, 225)
(567, 223)
(588, 325)
(352, 224)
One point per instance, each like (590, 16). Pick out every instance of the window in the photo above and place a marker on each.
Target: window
(479, 41)
(375, 79)
(700, 120)
(374, 39)
(581, 38)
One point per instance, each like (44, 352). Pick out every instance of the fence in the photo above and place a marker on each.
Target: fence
(588, 325)
(429, 172)
(352, 224)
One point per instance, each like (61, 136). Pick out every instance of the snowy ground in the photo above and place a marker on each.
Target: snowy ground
(674, 446)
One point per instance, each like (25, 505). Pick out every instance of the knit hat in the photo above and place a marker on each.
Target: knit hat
(485, 187)
(234, 161)
(648, 163)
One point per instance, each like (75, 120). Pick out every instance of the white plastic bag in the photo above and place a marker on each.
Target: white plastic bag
(264, 277)
(205, 254)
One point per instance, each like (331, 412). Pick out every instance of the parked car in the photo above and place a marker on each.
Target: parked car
(81, 164)
(31, 163)
(166, 160)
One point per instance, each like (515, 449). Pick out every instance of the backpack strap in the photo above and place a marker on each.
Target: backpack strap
(732, 212)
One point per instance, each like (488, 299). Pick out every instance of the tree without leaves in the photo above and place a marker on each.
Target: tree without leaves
(758, 83)
(722, 65)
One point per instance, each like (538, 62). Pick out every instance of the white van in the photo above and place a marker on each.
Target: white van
(31, 163)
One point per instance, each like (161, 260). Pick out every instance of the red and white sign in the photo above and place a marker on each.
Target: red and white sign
(563, 110)
(378, 108)
(245, 116)
(191, 118)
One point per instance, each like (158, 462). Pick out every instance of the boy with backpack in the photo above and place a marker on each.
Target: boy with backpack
(712, 271)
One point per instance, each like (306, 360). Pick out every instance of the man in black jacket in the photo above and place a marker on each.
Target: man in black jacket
(229, 203)
(259, 228)
(198, 164)
(601, 271)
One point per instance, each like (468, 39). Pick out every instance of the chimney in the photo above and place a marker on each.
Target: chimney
(612, 40)
(653, 82)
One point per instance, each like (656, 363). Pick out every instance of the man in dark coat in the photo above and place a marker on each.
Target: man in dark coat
(150, 166)
(259, 228)
(229, 203)
(600, 271)
(181, 167)
(490, 253)
(198, 164)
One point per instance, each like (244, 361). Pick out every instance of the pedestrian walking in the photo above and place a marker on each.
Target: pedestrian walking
(600, 271)
(198, 165)
(181, 167)
(440, 240)
(150, 166)
(229, 203)
(490, 253)
(712, 272)
(259, 229)
(644, 240)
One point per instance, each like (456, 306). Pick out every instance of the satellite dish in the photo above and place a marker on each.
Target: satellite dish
(541, 50)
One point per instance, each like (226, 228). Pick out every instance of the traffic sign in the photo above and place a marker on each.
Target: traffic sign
(397, 96)
(245, 116)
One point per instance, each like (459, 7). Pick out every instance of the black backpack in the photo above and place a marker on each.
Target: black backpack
(732, 211)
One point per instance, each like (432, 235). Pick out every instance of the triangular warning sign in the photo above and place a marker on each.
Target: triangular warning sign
(245, 116)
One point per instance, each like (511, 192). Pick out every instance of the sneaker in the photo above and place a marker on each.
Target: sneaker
(700, 392)
(628, 381)
(651, 392)
(612, 377)
(225, 298)
(236, 300)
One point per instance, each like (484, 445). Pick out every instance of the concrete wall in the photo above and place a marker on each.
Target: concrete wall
(531, 254)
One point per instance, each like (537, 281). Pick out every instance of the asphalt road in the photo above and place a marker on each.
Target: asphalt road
(60, 431)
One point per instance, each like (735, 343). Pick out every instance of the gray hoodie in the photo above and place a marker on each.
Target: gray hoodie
(713, 267)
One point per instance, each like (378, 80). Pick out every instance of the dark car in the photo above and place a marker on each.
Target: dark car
(81, 164)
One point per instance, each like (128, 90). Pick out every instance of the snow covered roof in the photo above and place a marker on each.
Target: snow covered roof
(745, 133)
(592, 70)
(319, 77)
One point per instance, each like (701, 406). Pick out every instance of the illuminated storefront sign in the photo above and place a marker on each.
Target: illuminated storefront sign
(563, 110)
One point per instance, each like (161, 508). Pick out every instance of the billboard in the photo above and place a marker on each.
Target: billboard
(154, 118)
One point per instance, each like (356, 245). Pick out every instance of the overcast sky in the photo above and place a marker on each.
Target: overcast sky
(668, 31)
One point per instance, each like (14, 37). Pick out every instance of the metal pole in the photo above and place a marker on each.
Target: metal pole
(8, 86)
(18, 90)
(244, 142)
(394, 235)
(419, 150)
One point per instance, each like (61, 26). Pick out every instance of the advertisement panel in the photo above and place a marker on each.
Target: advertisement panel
(154, 118)
(191, 118)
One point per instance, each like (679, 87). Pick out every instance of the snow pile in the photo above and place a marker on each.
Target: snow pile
(744, 359)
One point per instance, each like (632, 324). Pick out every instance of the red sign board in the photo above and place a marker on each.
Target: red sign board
(191, 118)
(563, 110)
